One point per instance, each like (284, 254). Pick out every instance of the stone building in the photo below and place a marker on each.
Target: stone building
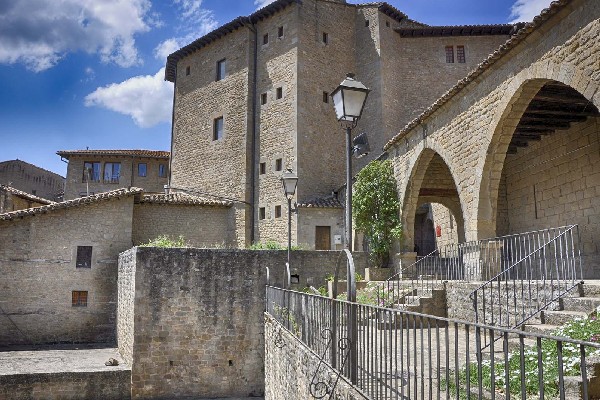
(513, 147)
(251, 99)
(96, 171)
(32, 179)
(58, 262)
(12, 199)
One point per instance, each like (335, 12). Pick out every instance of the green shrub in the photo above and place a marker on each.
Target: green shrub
(166, 241)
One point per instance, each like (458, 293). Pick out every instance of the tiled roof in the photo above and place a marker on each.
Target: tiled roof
(82, 201)
(183, 199)
(24, 195)
(259, 15)
(135, 153)
(321, 202)
(510, 44)
(460, 30)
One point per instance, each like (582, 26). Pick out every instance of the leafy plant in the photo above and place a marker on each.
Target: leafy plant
(375, 208)
(271, 245)
(166, 241)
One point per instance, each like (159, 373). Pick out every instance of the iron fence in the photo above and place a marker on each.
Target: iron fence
(405, 355)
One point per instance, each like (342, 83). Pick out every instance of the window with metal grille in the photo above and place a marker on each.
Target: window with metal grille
(449, 54)
(79, 298)
(460, 54)
(84, 257)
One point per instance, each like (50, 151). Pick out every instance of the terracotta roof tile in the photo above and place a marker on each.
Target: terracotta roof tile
(459, 30)
(182, 199)
(82, 201)
(510, 44)
(321, 202)
(25, 195)
(136, 153)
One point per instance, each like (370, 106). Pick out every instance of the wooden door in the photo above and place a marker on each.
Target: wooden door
(323, 238)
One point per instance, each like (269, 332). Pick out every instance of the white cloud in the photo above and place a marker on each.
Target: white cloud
(147, 99)
(194, 22)
(526, 10)
(38, 33)
(262, 3)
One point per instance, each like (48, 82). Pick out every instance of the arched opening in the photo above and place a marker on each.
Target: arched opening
(544, 169)
(431, 206)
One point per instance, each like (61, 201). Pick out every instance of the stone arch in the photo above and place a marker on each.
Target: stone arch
(430, 180)
(517, 97)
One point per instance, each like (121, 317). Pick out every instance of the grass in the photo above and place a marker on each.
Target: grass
(166, 241)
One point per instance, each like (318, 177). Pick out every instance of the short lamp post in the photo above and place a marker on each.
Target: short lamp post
(289, 181)
(349, 101)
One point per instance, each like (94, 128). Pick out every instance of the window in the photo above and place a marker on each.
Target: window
(221, 69)
(278, 164)
(279, 93)
(325, 97)
(387, 23)
(187, 70)
(367, 23)
(91, 171)
(325, 37)
(162, 170)
(449, 54)
(262, 213)
(460, 54)
(218, 128)
(277, 211)
(263, 99)
(142, 169)
(84, 257)
(79, 298)
(263, 168)
(112, 171)
(280, 32)
(266, 38)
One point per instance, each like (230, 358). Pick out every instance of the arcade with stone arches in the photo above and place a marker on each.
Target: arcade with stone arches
(515, 146)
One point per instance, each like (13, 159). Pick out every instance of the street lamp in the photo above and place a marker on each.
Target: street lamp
(349, 101)
(289, 181)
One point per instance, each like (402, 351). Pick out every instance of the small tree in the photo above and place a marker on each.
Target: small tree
(375, 209)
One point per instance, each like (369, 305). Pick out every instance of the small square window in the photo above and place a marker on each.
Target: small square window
(263, 99)
(187, 70)
(84, 257)
(278, 164)
(325, 37)
(325, 97)
(79, 298)
(460, 54)
(279, 93)
(280, 32)
(450, 54)
(277, 211)
(367, 23)
(263, 168)
(266, 38)
(218, 128)
(142, 169)
(162, 170)
(262, 213)
(221, 69)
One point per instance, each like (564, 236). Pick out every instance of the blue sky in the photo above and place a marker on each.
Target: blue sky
(88, 73)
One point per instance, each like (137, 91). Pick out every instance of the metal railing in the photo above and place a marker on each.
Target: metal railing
(483, 260)
(407, 355)
(545, 266)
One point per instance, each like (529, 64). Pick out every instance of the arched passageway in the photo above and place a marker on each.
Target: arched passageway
(435, 227)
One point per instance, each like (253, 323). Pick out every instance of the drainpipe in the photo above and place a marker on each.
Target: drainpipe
(253, 134)
(167, 188)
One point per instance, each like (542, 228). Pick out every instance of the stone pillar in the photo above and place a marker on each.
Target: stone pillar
(403, 260)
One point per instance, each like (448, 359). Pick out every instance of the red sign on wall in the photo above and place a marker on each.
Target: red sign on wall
(438, 231)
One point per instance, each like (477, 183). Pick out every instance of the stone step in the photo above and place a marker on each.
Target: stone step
(545, 329)
(561, 317)
(584, 304)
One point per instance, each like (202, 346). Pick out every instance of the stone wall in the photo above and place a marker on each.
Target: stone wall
(201, 226)
(31, 179)
(290, 367)
(38, 273)
(111, 385)
(76, 186)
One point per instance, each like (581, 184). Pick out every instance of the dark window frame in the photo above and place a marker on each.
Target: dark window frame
(278, 211)
(265, 39)
(280, 32)
(264, 97)
(79, 298)
(221, 69)
(162, 171)
(279, 93)
(83, 257)
(188, 70)
(325, 38)
(218, 133)
(460, 54)
(325, 97)
(96, 174)
(449, 54)
(113, 177)
(143, 172)
(262, 168)
(279, 164)
(262, 213)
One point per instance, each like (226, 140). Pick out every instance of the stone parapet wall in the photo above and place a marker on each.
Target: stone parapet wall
(290, 367)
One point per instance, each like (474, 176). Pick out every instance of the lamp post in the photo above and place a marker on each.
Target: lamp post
(349, 101)
(289, 181)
